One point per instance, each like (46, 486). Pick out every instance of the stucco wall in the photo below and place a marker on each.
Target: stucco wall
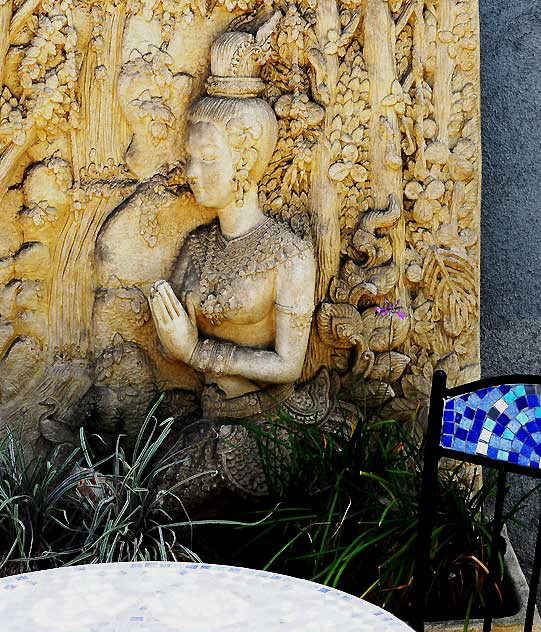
(511, 210)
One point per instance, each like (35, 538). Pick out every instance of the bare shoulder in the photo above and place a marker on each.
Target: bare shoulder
(296, 269)
(291, 249)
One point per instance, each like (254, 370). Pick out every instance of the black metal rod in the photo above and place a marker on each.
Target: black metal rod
(426, 501)
(534, 582)
(490, 588)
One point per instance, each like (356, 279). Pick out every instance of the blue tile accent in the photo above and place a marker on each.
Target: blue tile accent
(501, 422)
(509, 397)
(469, 413)
(461, 433)
(448, 428)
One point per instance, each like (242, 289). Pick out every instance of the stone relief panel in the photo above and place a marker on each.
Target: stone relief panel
(350, 129)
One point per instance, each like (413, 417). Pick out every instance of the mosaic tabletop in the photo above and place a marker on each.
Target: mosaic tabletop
(168, 597)
(500, 422)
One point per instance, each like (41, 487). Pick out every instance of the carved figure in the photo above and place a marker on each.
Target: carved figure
(240, 300)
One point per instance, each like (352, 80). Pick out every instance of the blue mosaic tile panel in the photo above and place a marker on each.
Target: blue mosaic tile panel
(501, 422)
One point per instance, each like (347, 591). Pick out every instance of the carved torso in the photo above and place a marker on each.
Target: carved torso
(232, 281)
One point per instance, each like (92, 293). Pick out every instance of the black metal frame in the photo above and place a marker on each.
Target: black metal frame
(432, 454)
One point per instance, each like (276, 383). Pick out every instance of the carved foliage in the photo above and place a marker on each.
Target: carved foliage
(364, 113)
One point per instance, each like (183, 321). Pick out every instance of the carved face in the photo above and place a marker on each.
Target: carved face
(210, 167)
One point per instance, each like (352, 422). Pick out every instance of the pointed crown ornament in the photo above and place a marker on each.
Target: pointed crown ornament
(236, 61)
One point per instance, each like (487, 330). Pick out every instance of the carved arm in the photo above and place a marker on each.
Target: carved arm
(294, 304)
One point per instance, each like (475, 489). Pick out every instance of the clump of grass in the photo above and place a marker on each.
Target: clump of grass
(56, 514)
(123, 519)
(348, 515)
(35, 511)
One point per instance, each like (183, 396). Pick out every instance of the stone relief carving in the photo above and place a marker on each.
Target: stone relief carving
(353, 147)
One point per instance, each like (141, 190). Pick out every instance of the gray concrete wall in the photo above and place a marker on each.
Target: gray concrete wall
(511, 208)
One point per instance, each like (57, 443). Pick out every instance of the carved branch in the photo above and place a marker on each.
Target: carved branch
(21, 17)
(405, 16)
(444, 69)
(418, 75)
(10, 158)
(6, 11)
(323, 196)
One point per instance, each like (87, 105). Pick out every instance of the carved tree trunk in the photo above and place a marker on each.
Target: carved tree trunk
(10, 158)
(385, 150)
(323, 197)
(444, 69)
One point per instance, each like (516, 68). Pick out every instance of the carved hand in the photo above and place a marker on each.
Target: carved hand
(176, 330)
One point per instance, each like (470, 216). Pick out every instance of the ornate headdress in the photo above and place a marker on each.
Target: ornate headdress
(236, 61)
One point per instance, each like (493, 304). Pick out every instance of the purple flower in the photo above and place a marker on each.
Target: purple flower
(389, 309)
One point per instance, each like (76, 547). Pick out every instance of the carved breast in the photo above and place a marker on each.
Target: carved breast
(234, 280)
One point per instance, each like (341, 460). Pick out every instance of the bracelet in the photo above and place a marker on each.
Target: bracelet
(212, 356)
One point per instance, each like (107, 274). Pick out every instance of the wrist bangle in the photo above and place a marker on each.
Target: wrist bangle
(212, 356)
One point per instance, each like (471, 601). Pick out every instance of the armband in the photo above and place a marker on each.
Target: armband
(212, 356)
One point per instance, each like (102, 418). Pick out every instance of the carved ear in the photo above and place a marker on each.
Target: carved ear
(249, 158)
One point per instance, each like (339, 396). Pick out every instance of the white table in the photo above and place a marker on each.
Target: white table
(169, 597)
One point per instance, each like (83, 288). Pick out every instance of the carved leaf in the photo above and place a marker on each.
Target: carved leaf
(449, 280)
(378, 393)
(340, 325)
(469, 373)
(56, 432)
(390, 333)
(423, 340)
(339, 171)
(400, 409)
(359, 173)
(416, 388)
(451, 366)
(380, 281)
(266, 31)
(349, 30)
(460, 168)
(389, 366)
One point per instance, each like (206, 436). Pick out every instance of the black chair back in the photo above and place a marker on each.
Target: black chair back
(495, 422)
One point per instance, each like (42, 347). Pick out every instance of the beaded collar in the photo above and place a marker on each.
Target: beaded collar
(222, 264)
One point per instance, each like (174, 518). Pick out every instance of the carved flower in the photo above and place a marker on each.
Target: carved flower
(398, 99)
(458, 161)
(243, 131)
(461, 42)
(427, 199)
(302, 112)
(349, 166)
(331, 47)
(40, 212)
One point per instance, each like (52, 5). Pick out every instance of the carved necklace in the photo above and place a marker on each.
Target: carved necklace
(223, 263)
